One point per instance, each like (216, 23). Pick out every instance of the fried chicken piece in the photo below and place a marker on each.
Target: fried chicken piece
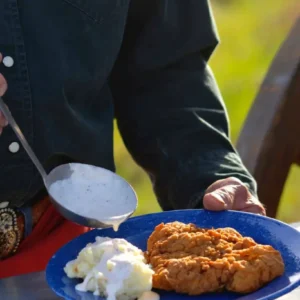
(193, 260)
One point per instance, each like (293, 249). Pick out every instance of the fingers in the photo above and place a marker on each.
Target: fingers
(3, 83)
(231, 194)
(215, 201)
(3, 88)
(222, 193)
(223, 182)
(255, 208)
(3, 121)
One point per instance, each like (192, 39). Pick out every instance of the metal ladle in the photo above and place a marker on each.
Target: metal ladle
(106, 178)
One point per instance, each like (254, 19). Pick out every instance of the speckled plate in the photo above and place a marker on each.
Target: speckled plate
(137, 230)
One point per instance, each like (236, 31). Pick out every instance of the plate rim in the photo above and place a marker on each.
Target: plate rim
(272, 296)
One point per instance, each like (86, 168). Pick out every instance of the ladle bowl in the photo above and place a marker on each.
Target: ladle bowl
(110, 185)
(114, 195)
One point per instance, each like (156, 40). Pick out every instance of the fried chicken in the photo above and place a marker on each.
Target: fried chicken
(191, 260)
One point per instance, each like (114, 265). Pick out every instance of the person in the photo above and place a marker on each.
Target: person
(68, 68)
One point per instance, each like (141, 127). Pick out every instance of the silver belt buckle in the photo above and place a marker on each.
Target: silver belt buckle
(9, 232)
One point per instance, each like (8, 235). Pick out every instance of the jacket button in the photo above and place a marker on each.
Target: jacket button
(8, 61)
(3, 204)
(14, 147)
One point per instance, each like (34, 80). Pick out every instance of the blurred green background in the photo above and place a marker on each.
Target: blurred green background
(251, 32)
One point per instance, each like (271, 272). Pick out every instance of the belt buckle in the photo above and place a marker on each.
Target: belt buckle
(9, 232)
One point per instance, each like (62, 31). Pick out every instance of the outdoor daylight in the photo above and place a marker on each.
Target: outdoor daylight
(149, 149)
(251, 33)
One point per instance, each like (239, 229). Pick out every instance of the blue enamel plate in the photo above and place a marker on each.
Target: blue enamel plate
(137, 230)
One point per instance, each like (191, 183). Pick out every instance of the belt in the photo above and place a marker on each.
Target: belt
(16, 224)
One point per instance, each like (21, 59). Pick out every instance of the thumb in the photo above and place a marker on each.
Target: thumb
(220, 199)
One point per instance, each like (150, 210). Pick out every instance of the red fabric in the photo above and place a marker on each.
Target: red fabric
(51, 232)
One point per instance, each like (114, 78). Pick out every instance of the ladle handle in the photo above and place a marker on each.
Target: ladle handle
(18, 132)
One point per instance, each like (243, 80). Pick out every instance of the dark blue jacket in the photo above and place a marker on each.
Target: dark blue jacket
(80, 63)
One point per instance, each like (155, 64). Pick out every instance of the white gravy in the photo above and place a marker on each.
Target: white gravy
(94, 194)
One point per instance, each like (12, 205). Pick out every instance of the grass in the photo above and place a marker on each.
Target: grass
(251, 33)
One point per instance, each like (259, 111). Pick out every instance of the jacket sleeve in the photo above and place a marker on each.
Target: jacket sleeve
(167, 104)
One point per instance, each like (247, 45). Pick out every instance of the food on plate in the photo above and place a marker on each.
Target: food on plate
(193, 260)
(112, 268)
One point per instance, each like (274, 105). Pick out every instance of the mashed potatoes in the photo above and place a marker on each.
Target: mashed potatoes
(112, 268)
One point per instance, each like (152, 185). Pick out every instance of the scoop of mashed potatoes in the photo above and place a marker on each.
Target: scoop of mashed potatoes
(111, 268)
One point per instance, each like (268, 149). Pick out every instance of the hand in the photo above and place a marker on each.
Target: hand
(231, 194)
(3, 88)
